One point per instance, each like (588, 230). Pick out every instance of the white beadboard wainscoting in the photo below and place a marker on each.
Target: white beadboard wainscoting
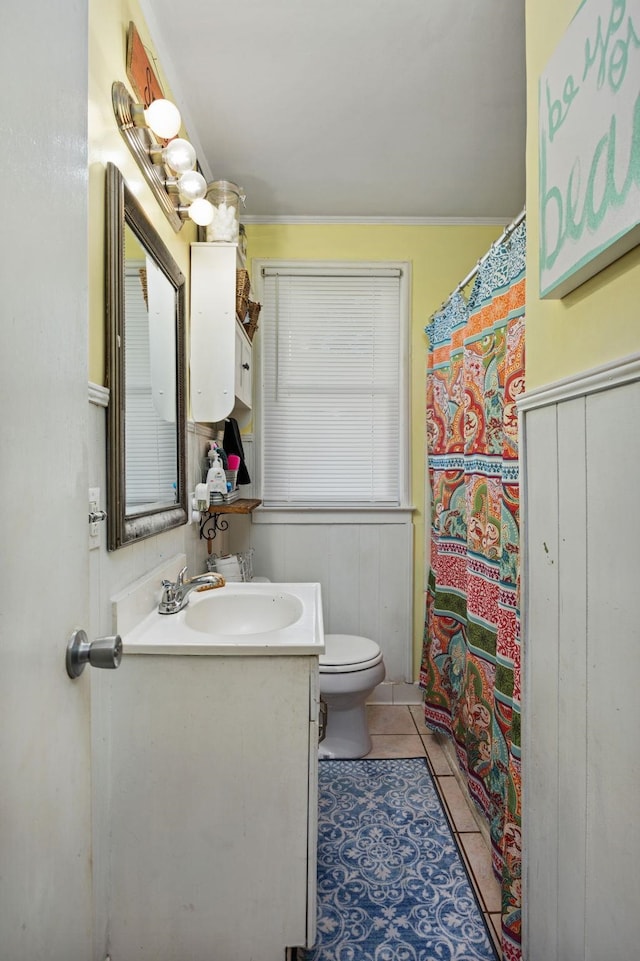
(581, 643)
(363, 561)
(363, 564)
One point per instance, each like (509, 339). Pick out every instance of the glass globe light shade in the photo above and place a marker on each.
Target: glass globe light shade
(201, 212)
(192, 186)
(164, 118)
(179, 155)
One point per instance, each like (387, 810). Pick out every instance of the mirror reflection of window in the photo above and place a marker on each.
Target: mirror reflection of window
(161, 305)
(150, 382)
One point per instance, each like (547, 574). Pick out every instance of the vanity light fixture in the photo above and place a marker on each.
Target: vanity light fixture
(162, 116)
(168, 169)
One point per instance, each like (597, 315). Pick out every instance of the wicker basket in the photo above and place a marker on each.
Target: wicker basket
(251, 324)
(243, 286)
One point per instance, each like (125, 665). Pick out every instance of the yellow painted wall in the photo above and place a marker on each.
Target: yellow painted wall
(441, 256)
(108, 24)
(600, 321)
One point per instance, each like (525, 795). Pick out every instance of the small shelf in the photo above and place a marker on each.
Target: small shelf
(211, 524)
(244, 505)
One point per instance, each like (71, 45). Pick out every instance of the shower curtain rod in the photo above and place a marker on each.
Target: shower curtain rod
(472, 273)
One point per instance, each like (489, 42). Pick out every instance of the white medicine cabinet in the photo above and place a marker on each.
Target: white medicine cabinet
(221, 352)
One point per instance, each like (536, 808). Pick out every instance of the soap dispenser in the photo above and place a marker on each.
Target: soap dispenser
(216, 479)
(215, 450)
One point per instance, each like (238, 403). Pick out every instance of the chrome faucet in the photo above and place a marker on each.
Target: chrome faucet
(176, 596)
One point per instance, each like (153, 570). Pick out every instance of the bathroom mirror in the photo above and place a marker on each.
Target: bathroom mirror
(146, 423)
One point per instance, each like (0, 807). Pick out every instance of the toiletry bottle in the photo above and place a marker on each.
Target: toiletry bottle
(216, 481)
(215, 450)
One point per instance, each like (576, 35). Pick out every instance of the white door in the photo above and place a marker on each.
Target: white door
(45, 814)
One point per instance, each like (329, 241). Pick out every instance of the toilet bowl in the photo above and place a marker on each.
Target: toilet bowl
(350, 668)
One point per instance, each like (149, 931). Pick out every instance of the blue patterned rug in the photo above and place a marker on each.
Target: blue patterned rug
(391, 882)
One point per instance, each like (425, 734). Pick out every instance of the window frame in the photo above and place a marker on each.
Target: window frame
(382, 512)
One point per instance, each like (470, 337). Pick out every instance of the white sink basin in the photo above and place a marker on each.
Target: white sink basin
(238, 619)
(219, 612)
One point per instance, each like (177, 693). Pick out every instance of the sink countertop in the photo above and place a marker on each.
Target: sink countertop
(171, 633)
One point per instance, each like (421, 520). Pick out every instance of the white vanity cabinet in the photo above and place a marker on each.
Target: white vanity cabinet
(220, 349)
(214, 806)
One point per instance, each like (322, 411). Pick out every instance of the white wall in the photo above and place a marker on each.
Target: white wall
(581, 763)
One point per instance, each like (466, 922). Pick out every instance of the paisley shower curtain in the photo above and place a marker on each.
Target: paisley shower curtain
(471, 659)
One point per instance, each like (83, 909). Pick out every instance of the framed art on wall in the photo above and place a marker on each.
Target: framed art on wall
(589, 146)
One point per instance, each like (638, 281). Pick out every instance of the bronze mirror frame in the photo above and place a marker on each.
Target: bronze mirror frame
(122, 209)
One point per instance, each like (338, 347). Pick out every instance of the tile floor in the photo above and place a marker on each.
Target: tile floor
(399, 731)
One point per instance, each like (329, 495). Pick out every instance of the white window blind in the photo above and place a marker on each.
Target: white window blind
(149, 439)
(333, 421)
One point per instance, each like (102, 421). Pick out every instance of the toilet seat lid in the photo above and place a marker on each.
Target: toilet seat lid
(344, 652)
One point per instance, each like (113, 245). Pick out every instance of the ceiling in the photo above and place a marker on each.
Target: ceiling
(384, 109)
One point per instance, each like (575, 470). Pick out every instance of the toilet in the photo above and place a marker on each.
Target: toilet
(350, 668)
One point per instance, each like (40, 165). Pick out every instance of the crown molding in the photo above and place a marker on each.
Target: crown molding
(392, 221)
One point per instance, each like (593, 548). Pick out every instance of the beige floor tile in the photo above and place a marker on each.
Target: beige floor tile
(396, 745)
(479, 858)
(390, 719)
(436, 755)
(494, 925)
(459, 810)
(417, 713)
